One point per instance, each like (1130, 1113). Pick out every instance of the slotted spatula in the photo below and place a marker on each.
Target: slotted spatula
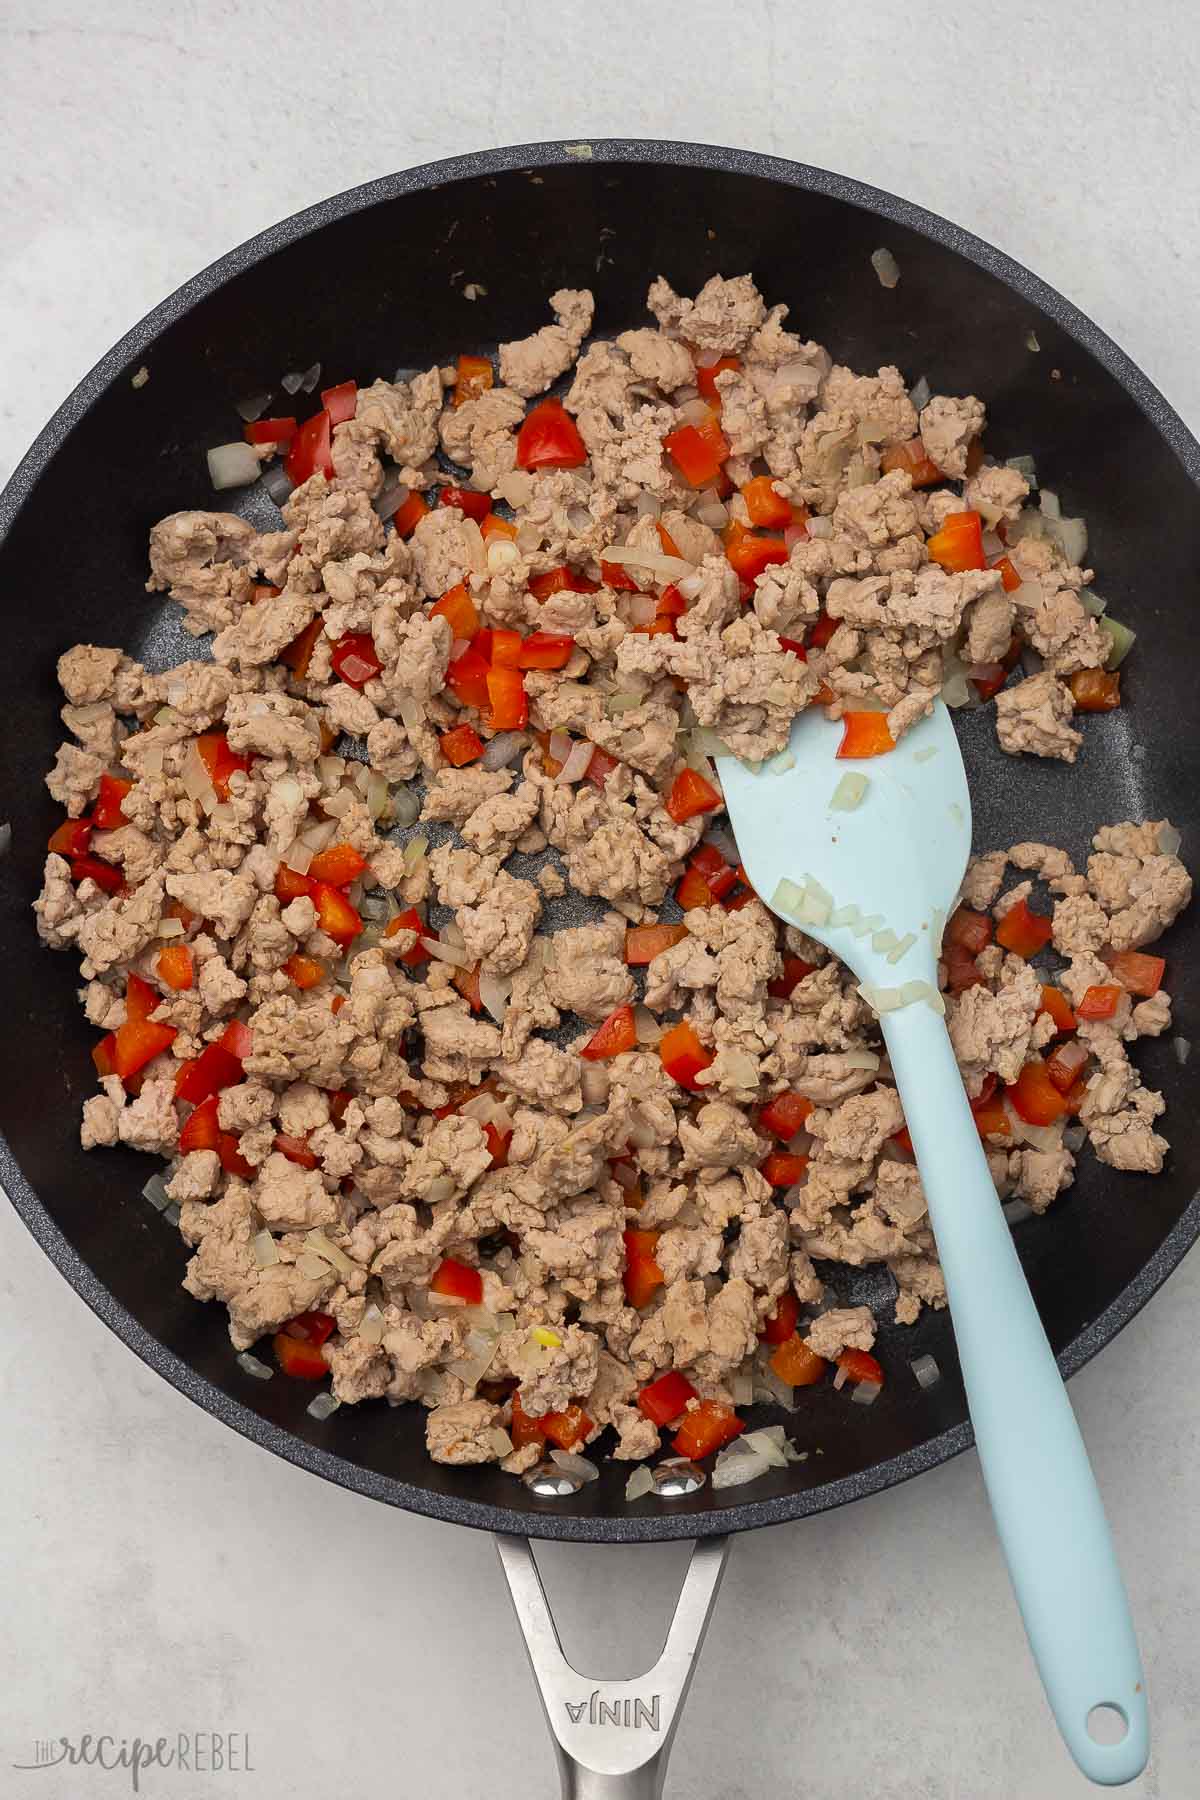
(875, 883)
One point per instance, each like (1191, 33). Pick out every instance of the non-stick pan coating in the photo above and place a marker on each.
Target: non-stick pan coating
(375, 279)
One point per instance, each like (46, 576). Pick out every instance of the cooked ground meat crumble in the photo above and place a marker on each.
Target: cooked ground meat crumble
(448, 1142)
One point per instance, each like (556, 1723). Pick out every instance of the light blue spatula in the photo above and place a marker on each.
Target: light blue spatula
(875, 884)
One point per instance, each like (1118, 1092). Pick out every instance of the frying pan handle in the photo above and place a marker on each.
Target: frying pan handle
(612, 1738)
(1045, 1501)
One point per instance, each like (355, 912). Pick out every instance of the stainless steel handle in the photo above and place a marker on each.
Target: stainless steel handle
(612, 1738)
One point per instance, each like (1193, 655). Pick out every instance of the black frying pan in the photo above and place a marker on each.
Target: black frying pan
(374, 279)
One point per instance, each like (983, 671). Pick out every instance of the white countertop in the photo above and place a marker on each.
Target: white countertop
(159, 1574)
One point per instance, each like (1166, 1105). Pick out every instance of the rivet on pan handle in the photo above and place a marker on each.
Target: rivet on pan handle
(613, 1738)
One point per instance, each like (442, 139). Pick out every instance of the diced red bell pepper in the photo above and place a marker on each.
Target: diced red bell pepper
(691, 794)
(221, 762)
(1140, 973)
(617, 577)
(707, 859)
(279, 432)
(452, 1277)
(959, 544)
(229, 1149)
(1066, 1063)
(71, 838)
(913, 458)
(217, 1066)
(410, 920)
(471, 504)
(462, 745)
(339, 864)
(561, 580)
(340, 402)
(299, 1357)
(644, 942)
(795, 647)
(764, 505)
(780, 1325)
(202, 1129)
(664, 1399)
(796, 1364)
(289, 885)
(1008, 573)
(467, 677)
(298, 653)
(355, 658)
(706, 378)
(961, 969)
(748, 553)
(822, 631)
(1100, 1002)
(794, 970)
(497, 1143)
(671, 603)
(459, 611)
(546, 650)
(903, 1140)
(865, 734)
(339, 1100)
(304, 971)
(335, 915)
(139, 1041)
(508, 700)
(698, 452)
(467, 983)
(705, 1429)
(549, 439)
(988, 678)
(1095, 690)
(503, 649)
(971, 930)
(682, 1054)
(568, 1428)
(140, 998)
(642, 1277)
(662, 625)
(617, 1034)
(92, 870)
(991, 1118)
(860, 1365)
(782, 1169)
(1035, 1097)
(174, 967)
(107, 814)
(601, 767)
(104, 1055)
(311, 450)
(693, 890)
(522, 1429)
(409, 513)
(493, 526)
(666, 541)
(1055, 1002)
(1023, 931)
(473, 376)
(785, 1115)
(295, 1149)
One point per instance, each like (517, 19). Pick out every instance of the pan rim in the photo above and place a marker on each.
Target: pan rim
(132, 346)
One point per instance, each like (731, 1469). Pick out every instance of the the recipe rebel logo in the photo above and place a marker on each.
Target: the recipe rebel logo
(632, 1711)
(183, 1753)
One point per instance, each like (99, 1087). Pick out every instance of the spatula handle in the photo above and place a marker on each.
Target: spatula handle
(1043, 1494)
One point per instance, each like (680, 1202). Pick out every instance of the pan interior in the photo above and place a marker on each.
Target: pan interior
(382, 280)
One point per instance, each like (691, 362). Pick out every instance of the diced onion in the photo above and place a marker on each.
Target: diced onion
(647, 506)
(277, 485)
(155, 1192)
(452, 934)
(298, 857)
(865, 1393)
(500, 1441)
(820, 527)
(787, 898)
(560, 745)
(642, 609)
(1169, 839)
(647, 1028)
(1016, 1210)
(1122, 641)
(447, 953)
(767, 1443)
(1074, 1138)
(415, 849)
(251, 1366)
(884, 940)
(1183, 1049)
(901, 948)
(920, 394)
(640, 1482)
(168, 928)
(516, 487)
(594, 1087)
(372, 1326)
(391, 496)
(926, 1370)
(494, 991)
(1024, 465)
(912, 991)
(266, 1252)
(671, 568)
(322, 1407)
(741, 1390)
(621, 703)
(576, 765)
(880, 999)
(439, 1189)
(575, 1465)
(232, 465)
(886, 267)
(311, 1266)
(713, 514)
(316, 1240)
(502, 553)
(503, 748)
(476, 548)
(845, 915)
(734, 1467)
(849, 792)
